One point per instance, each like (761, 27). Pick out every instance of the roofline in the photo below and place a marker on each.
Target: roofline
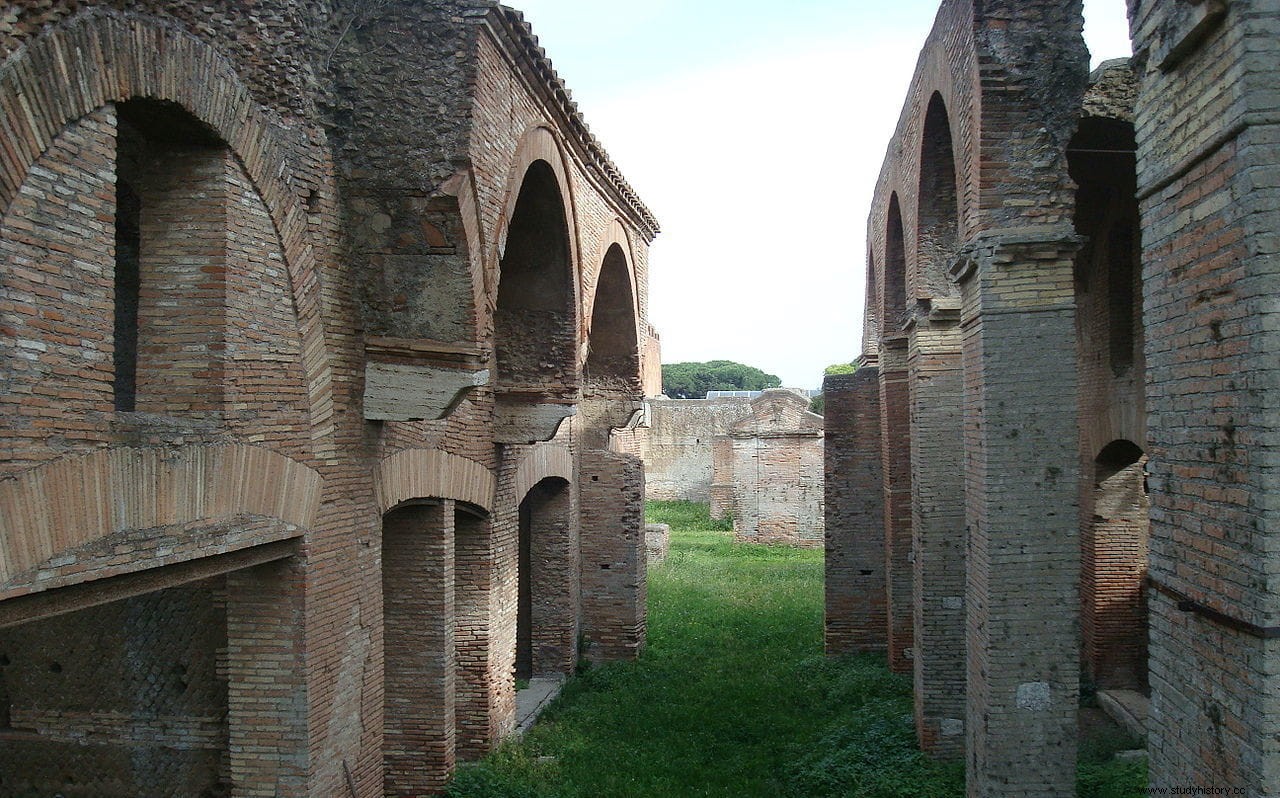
(509, 27)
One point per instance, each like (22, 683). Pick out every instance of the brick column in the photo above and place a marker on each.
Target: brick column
(895, 438)
(266, 684)
(479, 708)
(937, 525)
(854, 584)
(1023, 556)
(614, 582)
(418, 645)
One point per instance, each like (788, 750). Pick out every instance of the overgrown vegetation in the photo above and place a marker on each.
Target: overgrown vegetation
(732, 697)
(693, 380)
(818, 404)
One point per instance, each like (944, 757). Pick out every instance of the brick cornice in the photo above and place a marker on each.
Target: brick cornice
(516, 38)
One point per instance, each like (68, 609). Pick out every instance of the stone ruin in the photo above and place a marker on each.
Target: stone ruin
(1052, 470)
(767, 472)
(315, 321)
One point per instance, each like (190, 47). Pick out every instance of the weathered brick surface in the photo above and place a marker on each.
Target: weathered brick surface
(972, 212)
(772, 468)
(614, 587)
(677, 445)
(320, 187)
(1207, 118)
(937, 531)
(419, 665)
(855, 616)
(895, 443)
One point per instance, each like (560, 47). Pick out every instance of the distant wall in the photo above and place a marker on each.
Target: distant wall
(677, 447)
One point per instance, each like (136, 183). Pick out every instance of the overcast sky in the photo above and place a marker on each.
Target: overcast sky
(755, 131)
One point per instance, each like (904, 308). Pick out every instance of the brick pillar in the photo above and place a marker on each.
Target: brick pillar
(895, 437)
(474, 706)
(1023, 557)
(854, 584)
(613, 558)
(266, 685)
(937, 525)
(418, 648)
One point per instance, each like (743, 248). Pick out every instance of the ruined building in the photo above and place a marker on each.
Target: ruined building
(315, 319)
(1055, 466)
(767, 472)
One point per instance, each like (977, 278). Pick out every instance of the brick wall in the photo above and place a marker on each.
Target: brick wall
(936, 390)
(419, 631)
(613, 555)
(895, 442)
(677, 447)
(1206, 128)
(293, 198)
(66, 683)
(774, 470)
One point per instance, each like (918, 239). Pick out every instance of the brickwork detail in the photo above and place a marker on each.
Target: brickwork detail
(677, 445)
(771, 465)
(856, 617)
(613, 555)
(1207, 125)
(216, 226)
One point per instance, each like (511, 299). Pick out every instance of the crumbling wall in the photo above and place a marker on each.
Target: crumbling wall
(775, 471)
(677, 447)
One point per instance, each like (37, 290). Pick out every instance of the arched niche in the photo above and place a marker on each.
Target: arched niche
(535, 329)
(938, 220)
(613, 353)
(895, 272)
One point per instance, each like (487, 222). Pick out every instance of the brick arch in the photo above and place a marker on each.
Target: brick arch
(937, 201)
(610, 353)
(539, 143)
(895, 280)
(70, 503)
(543, 461)
(870, 308)
(422, 473)
(462, 187)
(615, 235)
(102, 57)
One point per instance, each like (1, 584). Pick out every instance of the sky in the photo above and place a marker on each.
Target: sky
(754, 130)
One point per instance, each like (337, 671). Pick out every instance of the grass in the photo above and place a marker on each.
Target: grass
(732, 697)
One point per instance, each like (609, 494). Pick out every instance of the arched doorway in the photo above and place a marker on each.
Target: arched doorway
(547, 581)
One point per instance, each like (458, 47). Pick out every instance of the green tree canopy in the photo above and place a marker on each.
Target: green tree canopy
(693, 380)
(839, 368)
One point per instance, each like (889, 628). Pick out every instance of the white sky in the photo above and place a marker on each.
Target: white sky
(754, 130)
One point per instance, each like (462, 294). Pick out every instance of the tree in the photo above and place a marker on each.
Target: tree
(693, 380)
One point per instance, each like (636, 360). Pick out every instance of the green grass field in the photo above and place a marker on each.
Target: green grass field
(732, 697)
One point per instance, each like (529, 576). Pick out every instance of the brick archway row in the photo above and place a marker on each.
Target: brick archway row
(62, 506)
(101, 57)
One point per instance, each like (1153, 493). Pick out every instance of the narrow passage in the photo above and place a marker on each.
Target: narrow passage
(732, 697)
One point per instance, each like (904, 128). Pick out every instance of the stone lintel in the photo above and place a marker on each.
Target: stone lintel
(527, 418)
(412, 379)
